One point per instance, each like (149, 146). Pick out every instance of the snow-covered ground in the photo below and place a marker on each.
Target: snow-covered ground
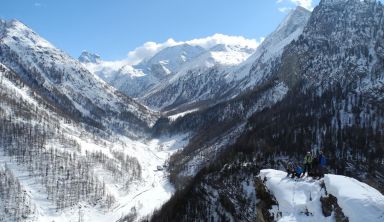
(299, 200)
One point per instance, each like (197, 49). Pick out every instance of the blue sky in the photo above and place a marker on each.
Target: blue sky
(113, 28)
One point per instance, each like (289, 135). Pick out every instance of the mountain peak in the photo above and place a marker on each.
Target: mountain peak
(173, 57)
(20, 35)
(300, 9)
(294, 17)
(88, 57)
(18, 25)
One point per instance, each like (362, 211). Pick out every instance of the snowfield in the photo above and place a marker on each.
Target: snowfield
(299, 199)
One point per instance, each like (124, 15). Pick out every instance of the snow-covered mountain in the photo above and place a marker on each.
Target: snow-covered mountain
(167, 66)
(160, 67)
(65, 83)
(134, 80)
(171, 59)
(225, 71)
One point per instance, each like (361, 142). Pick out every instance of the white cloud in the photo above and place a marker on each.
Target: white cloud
(37, 4)
(211, 41)
(149, 49)
(303, 3)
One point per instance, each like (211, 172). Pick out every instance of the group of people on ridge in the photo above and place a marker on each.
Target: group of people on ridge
(313, 166)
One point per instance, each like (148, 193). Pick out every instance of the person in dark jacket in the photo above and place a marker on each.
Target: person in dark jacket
(290, 169)
(314, 167)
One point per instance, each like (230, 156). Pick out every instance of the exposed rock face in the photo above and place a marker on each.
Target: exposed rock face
(266, 201)
(329, 205)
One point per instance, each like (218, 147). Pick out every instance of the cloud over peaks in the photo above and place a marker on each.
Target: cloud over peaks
(149, 49)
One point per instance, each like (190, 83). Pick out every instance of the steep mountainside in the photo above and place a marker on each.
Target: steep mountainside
(261, 64)
(339, 47)
(66, 84)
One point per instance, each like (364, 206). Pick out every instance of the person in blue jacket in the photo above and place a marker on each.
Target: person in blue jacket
(321, 164)
(299, 171)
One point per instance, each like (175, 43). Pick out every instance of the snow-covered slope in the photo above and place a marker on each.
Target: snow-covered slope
(65, 83)
(301, 200)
